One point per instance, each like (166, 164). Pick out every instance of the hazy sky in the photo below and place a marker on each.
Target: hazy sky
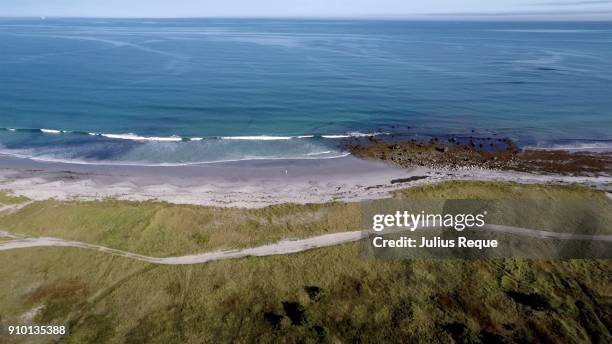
(527, 9)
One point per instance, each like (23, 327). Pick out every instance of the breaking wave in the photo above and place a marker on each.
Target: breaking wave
(575, 146)
(176, 138)
(82, 147)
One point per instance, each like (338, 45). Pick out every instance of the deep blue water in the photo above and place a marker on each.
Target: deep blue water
(266, 82)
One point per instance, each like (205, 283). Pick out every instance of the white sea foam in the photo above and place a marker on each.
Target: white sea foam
(341, 136)
(140, 155)
(135, 137)
(352, 134)
(176, 138)
(575, 146)
(326, 136)
(258, 138)
(319, 153)
(51, 131)
(50, 159)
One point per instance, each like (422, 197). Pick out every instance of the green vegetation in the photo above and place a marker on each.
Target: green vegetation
(6, 199)
(465, 189)
(568, 208)
(325, 295)
(163, 229)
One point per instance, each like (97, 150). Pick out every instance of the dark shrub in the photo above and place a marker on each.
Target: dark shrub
(273, 319)
(295, 312)
(314, 292)
(535, 301)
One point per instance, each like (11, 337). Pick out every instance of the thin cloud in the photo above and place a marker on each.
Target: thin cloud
(520, 13)
(570, 3)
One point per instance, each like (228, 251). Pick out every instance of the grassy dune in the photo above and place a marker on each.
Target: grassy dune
(163, 229)
(327, 295)
(464, 189)
(6, 199)
(568, 208)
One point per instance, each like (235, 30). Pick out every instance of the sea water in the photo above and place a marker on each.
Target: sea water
(188, 91)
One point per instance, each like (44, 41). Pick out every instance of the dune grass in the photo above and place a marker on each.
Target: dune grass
(561, 208)
(330, 295)
(163, 229)
(6, 199)
(469, 189)
(326, 295)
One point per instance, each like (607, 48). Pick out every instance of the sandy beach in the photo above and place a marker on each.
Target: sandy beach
(246, 184)
(237, 184)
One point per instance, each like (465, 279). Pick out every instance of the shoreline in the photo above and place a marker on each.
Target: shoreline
(82, 147)
(246, 184)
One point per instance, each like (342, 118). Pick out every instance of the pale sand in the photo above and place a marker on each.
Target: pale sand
(238, 184)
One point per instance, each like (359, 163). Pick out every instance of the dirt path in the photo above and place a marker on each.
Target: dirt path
(281, 247)
(12, 208)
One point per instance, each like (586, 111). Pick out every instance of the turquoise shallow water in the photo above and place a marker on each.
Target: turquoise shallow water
(189, 91)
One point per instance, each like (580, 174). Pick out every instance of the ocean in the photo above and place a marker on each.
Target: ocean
(190, 91)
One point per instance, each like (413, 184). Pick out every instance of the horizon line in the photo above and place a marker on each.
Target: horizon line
(409, 17)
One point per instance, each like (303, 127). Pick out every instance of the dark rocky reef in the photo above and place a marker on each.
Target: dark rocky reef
(487, 153)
